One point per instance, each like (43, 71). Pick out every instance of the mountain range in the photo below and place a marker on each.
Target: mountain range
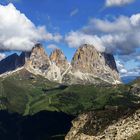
(88, 66)
(40, 93)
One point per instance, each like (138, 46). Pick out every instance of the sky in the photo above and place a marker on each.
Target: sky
(111, 26)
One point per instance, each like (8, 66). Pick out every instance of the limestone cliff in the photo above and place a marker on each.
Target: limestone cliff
(37, 59)
(88, 66)
(105, 125)
(38, 62)
(88, 60)
(58, 57)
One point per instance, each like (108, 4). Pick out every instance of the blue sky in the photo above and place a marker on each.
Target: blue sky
(64, 16)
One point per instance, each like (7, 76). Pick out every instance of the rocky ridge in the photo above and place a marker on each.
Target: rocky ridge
(88, 66)
(90, 126)
(11, 63)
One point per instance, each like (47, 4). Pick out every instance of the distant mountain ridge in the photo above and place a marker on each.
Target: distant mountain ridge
(88, 66)
(11, 62)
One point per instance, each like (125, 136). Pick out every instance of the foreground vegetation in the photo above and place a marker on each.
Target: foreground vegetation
(26, 93)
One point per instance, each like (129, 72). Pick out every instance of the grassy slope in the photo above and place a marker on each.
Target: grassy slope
(26, 93)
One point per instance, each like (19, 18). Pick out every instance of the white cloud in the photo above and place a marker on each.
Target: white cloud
(120, 36)
(2, 56)
(75, 39)
(52, 46)
(57, 37)
(138, 57)
(121, 68)
(119, 24)
(74, 12)
(132, 72)
(44, 35)
(17, 32)
(110, 3)
(124, 72)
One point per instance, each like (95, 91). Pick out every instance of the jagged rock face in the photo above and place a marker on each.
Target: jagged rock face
(88, 66)
(39, 62)
(105, 125)
(37, 59)
(88, 60)
(57, 57)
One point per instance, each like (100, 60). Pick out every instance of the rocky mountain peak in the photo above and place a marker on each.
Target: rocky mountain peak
(58, 57)
(38, 49)
(84, 58)
(88, 66)
(88, 60)
(37, 59)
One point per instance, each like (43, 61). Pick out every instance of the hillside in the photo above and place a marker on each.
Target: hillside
(28, 94)
(70, 70)
(111, 123)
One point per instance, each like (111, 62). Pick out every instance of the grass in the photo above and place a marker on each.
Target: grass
(26, 93)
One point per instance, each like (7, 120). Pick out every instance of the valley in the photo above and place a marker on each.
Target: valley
(47, 98)
(69, 70)
(27, 95)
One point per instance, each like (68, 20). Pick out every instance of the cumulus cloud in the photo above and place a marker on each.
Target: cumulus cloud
(57, 37)
(52, 46)
(110, 3)
(2, 56)
(120, 36)
(127, 72)
(75, 39)
(132, 72)
(74, 12)
(17, 32)
(121, 67)
(138, 57)
(119, 24)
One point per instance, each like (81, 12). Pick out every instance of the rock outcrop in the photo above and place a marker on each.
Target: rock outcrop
(88, 66)
(106, 125)
(37, 59)
(39, 62)
(57, 57)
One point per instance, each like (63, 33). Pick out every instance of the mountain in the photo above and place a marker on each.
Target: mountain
(28, 94)
(11, 63)
(94, 108)
(59, 59)
(88, 66)
(114, 122)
